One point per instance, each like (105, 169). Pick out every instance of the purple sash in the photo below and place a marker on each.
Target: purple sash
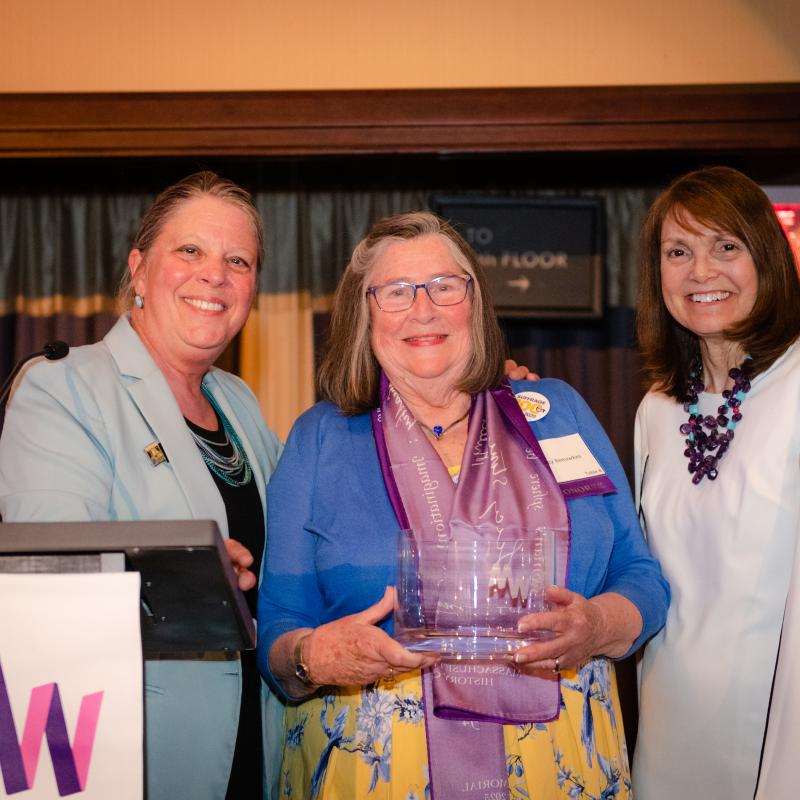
(505, 480)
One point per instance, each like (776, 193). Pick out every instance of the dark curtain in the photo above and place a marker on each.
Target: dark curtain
(62, 255)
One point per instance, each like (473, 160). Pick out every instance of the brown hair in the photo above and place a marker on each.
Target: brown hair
(723, 199)
(199, 184)
(349, 374)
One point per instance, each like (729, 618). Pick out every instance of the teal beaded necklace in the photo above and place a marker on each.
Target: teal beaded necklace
(234, 469)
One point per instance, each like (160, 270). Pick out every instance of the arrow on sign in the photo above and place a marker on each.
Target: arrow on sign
(521, 283)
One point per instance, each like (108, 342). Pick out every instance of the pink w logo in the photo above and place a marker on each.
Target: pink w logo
(18, 759)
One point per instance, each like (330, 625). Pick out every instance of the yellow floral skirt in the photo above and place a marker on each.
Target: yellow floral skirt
(369, 742)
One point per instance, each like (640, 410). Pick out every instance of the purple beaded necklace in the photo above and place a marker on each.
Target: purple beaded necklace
(704, 450)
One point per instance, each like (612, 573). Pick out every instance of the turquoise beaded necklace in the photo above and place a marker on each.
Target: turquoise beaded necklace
(234, 469)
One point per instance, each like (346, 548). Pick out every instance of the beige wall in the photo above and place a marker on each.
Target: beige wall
(186, 45)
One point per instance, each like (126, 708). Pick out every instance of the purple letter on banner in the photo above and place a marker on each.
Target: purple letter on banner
(18, 761)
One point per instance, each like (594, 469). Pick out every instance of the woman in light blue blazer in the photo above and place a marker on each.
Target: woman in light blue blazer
(142, 426)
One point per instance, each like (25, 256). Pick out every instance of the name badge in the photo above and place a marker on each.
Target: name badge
(577, 471)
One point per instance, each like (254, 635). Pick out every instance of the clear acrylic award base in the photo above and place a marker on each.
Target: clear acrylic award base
(463, 597)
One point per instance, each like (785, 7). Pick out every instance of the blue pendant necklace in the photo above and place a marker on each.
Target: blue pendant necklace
(437, 431)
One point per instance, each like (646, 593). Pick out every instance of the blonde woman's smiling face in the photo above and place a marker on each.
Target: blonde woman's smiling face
(198, 280)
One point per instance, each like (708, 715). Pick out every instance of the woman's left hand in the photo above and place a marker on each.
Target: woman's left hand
(604, 625)
(241, 560)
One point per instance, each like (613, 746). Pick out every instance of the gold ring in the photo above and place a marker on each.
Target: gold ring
(391, 673)
(556, 669)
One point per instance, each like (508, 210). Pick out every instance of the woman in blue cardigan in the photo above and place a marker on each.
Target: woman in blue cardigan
(418, 431)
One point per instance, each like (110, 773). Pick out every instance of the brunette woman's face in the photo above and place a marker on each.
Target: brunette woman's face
(708, 279)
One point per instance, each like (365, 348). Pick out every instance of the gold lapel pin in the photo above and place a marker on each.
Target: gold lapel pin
(156, 453)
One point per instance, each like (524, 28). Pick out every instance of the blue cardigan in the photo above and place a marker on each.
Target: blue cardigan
(331, 529)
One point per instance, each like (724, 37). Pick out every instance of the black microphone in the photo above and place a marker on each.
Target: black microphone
(55, 350)
(52, 351)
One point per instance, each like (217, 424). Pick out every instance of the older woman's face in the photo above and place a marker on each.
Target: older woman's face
(708, 278)
(198, 281)
(426, 342)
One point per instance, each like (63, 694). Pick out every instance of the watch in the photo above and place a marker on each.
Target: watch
(301, 670)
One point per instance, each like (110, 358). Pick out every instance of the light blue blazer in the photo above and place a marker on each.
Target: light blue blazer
(73, 448)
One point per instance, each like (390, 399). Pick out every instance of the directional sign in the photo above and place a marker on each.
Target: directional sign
(523, 283)
(543, 257)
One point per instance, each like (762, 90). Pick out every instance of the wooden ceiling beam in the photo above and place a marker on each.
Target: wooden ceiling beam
(744, 118)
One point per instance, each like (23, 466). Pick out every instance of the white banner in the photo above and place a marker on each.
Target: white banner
(71, 720)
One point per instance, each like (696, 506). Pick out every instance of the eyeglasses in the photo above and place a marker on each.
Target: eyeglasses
(446, 290)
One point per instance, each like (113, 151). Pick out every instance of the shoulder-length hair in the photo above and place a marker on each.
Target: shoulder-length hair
(727, 201)
(199, 184)
(349, 375)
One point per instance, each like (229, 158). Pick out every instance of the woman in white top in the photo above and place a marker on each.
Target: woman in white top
(718, 324)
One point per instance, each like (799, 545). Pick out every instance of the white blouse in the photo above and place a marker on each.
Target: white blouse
(726, 547)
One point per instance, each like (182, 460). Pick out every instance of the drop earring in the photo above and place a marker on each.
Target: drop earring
(138, 301)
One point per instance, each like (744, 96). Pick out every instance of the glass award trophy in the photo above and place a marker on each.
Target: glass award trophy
(463, 596)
